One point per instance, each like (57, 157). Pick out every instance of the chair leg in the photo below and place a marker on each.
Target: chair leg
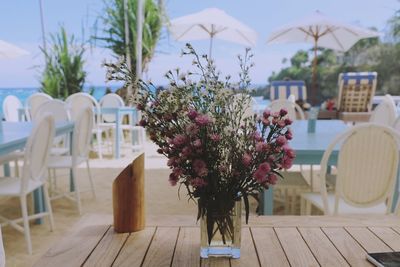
(90, 179)
(308, 208)
(77, 191)
(27, 233)
(16, 168)
(48, 206)
(99, 144)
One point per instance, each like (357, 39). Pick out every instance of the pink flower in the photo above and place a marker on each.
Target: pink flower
(266, 113)
(289, 135)
(283, 112)
(259, 146)
(179, 140)
(215, 137)
(186, 151)
(177, 171)
(272, 178)
(192, 114)
(281, 140)
(288, 121)
(159, 151)
(246, 159)
(281, 123)
(192, 129)
(198, 182)
(173, 179)
(140, 106)
(264, 168)
(259, 176)
(266, 121)
(257, 136)
(200, 167)
(287, 162)
(142, 123)
(171, 161)
(197, 143)
(289, 152)
(202, 120)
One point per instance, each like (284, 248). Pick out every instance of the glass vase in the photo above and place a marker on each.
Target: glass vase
(226, 234)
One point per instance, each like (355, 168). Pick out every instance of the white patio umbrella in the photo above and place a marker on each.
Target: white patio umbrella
(321, 31)
(209, 24)
(8, 51)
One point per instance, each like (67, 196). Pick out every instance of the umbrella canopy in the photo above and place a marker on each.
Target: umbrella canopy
(8, 51)
(209, 24)
(321, 31)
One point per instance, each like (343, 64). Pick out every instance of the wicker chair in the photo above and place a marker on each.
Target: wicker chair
(356, 90)
(283, 89)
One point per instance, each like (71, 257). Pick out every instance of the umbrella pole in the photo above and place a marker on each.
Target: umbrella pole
(314, 75)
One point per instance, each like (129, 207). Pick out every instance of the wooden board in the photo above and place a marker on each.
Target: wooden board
(75, 248)
(295, 248)
(268, 247)
(248, 255)
(322, 248)
(162, 247)
(187, 251)
(370, 242)
(388, 236)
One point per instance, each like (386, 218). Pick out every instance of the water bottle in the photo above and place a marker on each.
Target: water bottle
(312, 119)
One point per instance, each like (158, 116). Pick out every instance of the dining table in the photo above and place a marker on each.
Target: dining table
(174, 240)
(14, 135)
(309, 148)
(119, 112)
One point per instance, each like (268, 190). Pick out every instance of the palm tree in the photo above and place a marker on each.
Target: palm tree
(113, 32)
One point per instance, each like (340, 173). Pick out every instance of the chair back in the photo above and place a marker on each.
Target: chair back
(37, 151)
(356, 90)
(367, 167)
(34, 102)
(111, 101)
(292, 108)
(57, 108)
(79, 101)
(82, 134)
(283, 89)
(11, 105)
(385, 113)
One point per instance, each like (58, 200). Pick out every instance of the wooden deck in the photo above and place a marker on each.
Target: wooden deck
(267, 241)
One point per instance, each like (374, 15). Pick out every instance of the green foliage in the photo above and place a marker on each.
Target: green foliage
(63, 74)
(114, 29)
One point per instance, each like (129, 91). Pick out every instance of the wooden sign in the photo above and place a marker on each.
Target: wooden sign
(128, 198)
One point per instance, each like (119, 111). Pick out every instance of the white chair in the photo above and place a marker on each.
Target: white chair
(108, 121)
(385, 113)
(396, 124)
(366, 173)
(80, 153)
(33, 176)
(292, 108)
(11, 105)
(59, 111)
(34, 102)
(76, 103)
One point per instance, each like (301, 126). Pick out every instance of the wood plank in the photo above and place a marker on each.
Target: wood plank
(215, 262)
(347, 246)
(396, 229)
(248, 255)
(387, 235)
(269, 249)
(77, 245)
(325, 221)
(187, 252)
(108, 249)
(322, 248)
(295, 247)
(162, 247)
(133, 252)
(367, 239)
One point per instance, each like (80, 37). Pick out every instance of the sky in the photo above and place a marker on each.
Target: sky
(20, 25)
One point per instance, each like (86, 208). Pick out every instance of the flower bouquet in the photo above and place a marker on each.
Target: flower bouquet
(218, 151)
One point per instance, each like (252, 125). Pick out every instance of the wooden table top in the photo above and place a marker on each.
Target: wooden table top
(266, 241)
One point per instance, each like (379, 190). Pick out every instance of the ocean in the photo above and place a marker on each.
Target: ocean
(24, 93)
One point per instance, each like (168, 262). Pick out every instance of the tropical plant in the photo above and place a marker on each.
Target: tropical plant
(64, 72)
(113, 32)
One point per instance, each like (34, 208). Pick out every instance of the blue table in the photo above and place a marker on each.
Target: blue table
(119, 112)
(309, 148)
(15, 135)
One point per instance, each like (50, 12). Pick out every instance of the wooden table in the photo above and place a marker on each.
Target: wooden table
(266, 241)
